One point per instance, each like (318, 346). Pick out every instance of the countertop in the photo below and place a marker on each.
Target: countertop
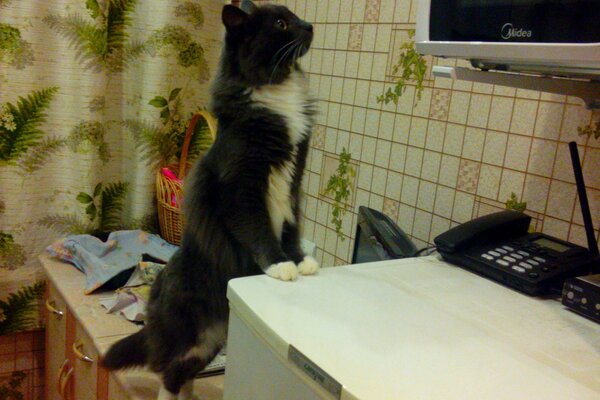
(104, 329)
(421, 328)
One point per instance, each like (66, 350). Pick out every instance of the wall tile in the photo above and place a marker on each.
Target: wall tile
(468, 176)
(369, 148)
(463, 207)
(563, 168)
(365, 66)
(431, 165)
(382, 153)
(365, 177)
(541, 158)
(591, 164)
(386, 126)
(355, 37)
(489, 180)
(406, 218)
(422, 225)
(391, 208)
(426, 197)
(479, 110)
(349, 91)
(398, 157)
(440, 104)
(358, 120)
(495, 147)
(455, 135)
(379, 181)
(361, 97)
(418, 132)
(473, 146)
(439, 225)
(517, 152)
(536, 192)
(384, 33)
(501, 113)
(459, 107)
(372, 11)
(379, 67)
(549, 118)
(435, 135)
(414, 161)
(511, 182)
(369, 37)
(358, 10)
(524, 115)
(394, 185)
(561, 200)
(401, 128)
(376, 201)
(410, 188)
(444, 201)
(449, 170)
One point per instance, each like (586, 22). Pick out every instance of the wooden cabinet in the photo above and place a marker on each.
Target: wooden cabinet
(72, 368)
(78, 332)
(56, 327)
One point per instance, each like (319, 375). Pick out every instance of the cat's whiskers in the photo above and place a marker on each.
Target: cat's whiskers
(289, 51)
(283, 47)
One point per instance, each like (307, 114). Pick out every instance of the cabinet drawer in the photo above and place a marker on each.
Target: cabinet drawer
(56, 317)
(86, 364)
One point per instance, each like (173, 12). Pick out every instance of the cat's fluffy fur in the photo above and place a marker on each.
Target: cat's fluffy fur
(241, 200)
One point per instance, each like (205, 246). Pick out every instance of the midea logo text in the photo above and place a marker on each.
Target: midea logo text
(509, 31)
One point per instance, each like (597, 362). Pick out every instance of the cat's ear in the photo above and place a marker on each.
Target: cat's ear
(248, 6)
(233, 18)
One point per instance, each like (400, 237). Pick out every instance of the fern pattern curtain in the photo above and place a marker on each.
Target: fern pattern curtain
(94, 97)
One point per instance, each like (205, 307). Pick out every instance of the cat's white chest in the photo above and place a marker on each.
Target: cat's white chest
(289, 100)
(279, 198)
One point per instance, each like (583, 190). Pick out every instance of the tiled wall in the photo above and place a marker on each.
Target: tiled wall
(430, 164)
(22, 361)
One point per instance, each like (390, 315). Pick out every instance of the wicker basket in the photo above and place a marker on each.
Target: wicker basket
(169, 192)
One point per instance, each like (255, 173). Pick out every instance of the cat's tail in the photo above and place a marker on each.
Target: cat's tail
(128, 352)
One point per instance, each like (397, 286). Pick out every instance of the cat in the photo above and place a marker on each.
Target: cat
(242, 199)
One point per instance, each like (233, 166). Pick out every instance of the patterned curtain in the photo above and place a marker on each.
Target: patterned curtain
(94, 96)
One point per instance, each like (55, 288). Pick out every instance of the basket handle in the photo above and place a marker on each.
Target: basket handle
(212, 127)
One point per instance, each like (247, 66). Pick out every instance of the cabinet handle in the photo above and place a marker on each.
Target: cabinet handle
(53, 310)
(65, 382)
(76, 346)
(61, 371)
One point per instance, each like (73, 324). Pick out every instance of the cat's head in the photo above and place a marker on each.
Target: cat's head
(263, 43)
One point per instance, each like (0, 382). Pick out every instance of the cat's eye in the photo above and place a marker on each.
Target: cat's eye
(282, 24)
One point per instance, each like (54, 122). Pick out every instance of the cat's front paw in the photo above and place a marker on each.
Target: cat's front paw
(285, 271)
(308, 266)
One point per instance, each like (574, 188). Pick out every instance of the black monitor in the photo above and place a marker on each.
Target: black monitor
(379, 238)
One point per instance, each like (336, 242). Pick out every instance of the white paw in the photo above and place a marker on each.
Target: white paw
(285, 271)
(308, 266)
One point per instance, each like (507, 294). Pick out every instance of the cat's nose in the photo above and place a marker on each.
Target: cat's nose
(308, 27)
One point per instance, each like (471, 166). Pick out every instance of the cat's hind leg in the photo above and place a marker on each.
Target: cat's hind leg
(178, 376)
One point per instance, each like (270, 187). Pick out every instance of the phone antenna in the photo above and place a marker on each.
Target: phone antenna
(583, 200)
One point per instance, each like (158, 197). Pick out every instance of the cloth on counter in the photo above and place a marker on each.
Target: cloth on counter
(131, 299)
(103, 261)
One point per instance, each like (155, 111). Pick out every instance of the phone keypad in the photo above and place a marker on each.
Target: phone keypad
(522, 260)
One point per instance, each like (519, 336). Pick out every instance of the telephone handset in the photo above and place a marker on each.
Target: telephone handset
(498, 246)
(490, 227)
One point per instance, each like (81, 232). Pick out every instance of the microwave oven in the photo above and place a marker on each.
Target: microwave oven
(549, 37)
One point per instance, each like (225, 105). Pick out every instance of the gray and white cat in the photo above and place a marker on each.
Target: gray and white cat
(242, 199)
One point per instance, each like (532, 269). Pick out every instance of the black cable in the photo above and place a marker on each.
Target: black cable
(416, 253)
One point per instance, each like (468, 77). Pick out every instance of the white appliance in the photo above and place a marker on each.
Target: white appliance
(414, 328)
(557, 37)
